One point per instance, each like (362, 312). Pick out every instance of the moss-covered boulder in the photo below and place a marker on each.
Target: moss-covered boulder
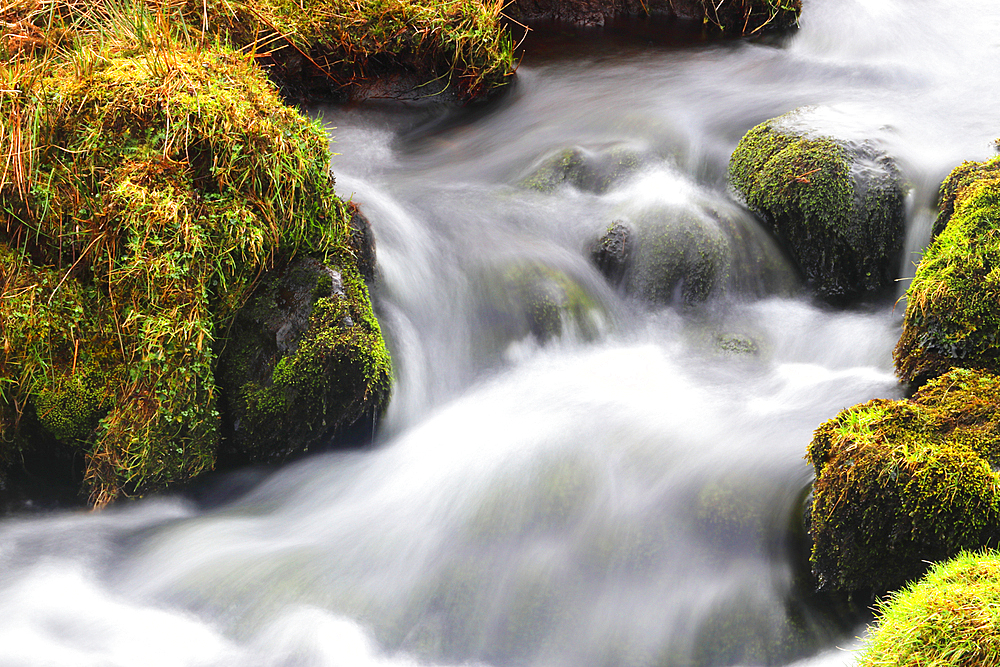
(148, 180)
(837, 205)
(949, 617)
(903, 483)
(953, 304)
(305, 359)
(589, 170)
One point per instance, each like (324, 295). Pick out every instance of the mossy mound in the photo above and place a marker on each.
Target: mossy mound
(953, 304)
(950, 617)
(306, 357)
(148, 181)
(837, 206)
(901, 483)
(437, 45)
(595, 171)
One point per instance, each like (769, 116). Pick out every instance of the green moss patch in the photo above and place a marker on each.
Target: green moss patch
(442, 44)
(953, 304)
(837, 208)
(306, 358)
(901, 483)
(149, 179)
(950, 617)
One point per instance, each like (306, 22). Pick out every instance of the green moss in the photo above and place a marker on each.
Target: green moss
(151, 180)
(553, 304)
(306, 359)
(839, 211)
(901, 483)
(953, 304)
(950, 617)
(595, 172)
(442, 43)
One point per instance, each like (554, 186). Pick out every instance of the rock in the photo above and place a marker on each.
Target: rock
(305, 360)
(953, 304)
(837, 205)
(947, 618)
(594, 171)
(903, 483)
(531, 298)
(361, 242)
(731, 16)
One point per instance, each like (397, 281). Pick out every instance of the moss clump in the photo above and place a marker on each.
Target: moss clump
(306, 358)
(950, 617)
(953, 304)
(901, 483)
(837, 208)
(462, 44)
(148, 180)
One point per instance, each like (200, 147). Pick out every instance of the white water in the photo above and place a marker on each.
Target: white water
(617, 498)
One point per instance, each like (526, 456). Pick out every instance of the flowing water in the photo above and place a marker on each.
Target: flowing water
(624, 493)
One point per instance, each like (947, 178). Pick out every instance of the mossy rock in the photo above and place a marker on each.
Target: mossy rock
(530, 299)
(156, 179)
(595, 171)
(949, 617)
(953, 304)
(670, 255)
(745, 17)
(902, 483)
(306, 359)
(836, 205)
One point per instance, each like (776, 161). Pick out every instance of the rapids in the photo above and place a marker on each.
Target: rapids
(624, 494)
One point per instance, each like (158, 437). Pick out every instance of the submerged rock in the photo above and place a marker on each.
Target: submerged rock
(595, 171)
(532, 299)
(837, 205)
(305, 360)
(687, 254)
(953, 304)
(903, 483)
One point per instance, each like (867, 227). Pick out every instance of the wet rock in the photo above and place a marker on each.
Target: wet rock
(361, 241)
(733, 16)
(953, 312)
(595, 171)
(836, 205)
(306, 359)
(903, 483)
(532, 299)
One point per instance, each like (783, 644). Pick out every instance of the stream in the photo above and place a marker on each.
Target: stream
(625, 493)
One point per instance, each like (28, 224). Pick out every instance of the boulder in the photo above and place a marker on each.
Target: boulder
(837, 205)
(906, 482)
(731, 16)
(305, 360)
(529, 298)
(952, 313)
(595, 171)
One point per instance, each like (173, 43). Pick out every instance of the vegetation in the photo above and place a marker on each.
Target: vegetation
(901, 483)
(950, 617)
(843, 225)
(149, 177)
(748, 17)
(953, 304)
(459, 44)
